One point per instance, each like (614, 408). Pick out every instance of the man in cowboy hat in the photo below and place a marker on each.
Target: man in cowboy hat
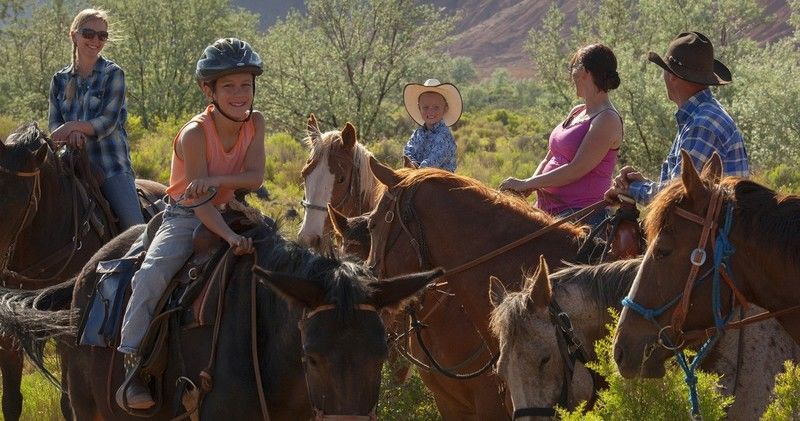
(704, 127)
(434, 106)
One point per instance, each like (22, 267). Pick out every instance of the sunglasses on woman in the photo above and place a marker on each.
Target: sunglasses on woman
(89, 33)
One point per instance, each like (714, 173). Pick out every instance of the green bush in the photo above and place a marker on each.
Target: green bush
(647, 399)
(409, 401)
(785, 405)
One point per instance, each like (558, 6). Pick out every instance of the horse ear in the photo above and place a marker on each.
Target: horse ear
(541, 292)
(41, 155)
(294, 289)
(689, 177)
(391, 292)
(712, 170)
(312, 129)
(384, 174)
(349, 136)
(408, 163)
(338, 220)
(497, 291)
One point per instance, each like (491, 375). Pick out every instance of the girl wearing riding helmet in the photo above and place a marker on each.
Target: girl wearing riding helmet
(221, 149)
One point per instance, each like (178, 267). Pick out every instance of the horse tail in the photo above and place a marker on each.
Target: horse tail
(32, 317)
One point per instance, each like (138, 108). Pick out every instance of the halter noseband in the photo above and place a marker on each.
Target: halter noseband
(319, 414)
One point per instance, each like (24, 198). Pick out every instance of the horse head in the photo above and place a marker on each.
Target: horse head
(22, 156)
(336, 173)
(530, 362)
(676, 272)
(343, 338)
(353, 233)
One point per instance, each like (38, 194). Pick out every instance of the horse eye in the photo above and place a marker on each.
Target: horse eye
(544, 361)
(660, 253)
(340, 179)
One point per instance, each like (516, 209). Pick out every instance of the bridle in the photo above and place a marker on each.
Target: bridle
(351, 193)
(30, 209)
(571, 350)
(319, 414)
(405, 211)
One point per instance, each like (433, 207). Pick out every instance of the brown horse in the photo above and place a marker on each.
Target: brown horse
(49, 231)
(331, 365)
(536, 369)
(686, 219)
(435, 218)
(337, 172)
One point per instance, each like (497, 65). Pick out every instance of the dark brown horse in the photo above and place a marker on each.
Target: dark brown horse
(686, 223)
(431, 218)
(49, 230)
(330, 366)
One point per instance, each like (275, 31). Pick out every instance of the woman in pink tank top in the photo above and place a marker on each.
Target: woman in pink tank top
(582, 149)
(221, 149)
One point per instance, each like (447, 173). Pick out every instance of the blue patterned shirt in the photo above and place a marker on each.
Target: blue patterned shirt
(100, 100)
(432, 148)
(703, 128)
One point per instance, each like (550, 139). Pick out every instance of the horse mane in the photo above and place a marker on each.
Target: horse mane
(603, 285)
(766, 217)
(340, 278)
(370, 187)
(412, 177)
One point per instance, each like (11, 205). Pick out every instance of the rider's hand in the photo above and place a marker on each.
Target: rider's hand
(62, 133)
(626, 175)
(76, 140)
(200, 186)
(241, 244)
(517, 185)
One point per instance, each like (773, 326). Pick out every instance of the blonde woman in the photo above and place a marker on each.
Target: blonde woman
(87, 109)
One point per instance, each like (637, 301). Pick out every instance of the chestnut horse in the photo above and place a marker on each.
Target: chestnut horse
(48, 234)
(537, 370)
(329, 367)
(435, 218)
(755, 234)
(337, 173)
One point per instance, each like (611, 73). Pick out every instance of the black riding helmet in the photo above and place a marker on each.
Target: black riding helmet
(226, 56)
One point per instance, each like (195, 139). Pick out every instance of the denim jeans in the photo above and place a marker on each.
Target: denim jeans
(120, 191)
(168, 252)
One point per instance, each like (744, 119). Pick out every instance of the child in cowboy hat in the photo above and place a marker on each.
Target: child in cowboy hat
(704, 127)
(435, 107)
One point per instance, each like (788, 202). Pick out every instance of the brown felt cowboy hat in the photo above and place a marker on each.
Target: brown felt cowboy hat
(690, 56)
(451, 95)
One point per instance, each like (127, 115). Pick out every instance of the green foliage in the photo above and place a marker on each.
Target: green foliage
(348, 60)
(785, 405)
(151, 151)
(647, 399)
(409, 401)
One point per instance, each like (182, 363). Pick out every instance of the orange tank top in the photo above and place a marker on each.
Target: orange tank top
(219, 162)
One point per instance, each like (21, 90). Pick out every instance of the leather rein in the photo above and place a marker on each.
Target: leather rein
(420, 248)
(25, 279)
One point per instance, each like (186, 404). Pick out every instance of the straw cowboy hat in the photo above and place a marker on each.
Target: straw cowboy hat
(690, 56)
(450, 93)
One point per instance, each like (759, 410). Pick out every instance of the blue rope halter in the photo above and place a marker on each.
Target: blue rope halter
(723, 250)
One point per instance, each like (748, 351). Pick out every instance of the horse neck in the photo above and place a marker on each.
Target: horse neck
(52, 225)
(450, 217)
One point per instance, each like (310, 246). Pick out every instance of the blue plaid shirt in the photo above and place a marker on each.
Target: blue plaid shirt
(703, 128)
(100, 100)
(432, 148)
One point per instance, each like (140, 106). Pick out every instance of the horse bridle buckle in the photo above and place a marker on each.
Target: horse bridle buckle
(698, 257)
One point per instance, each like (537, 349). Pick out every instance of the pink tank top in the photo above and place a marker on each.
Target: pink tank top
(564, 144)
(219, 161)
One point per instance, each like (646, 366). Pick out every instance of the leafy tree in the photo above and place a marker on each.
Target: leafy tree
(347, 60)
(158, 47)
(786, 397)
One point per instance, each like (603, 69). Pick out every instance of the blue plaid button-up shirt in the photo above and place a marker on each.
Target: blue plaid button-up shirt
(100, 100)
(432, 148)
(703, 128)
